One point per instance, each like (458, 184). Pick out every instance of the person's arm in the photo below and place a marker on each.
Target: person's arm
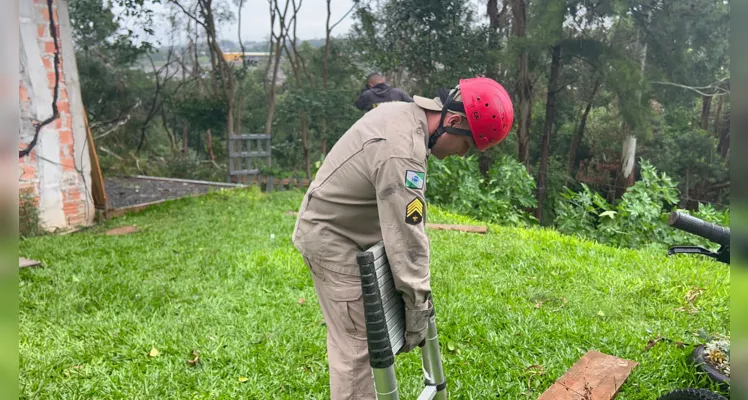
(362, 103)
(405, 97)
(400, 184)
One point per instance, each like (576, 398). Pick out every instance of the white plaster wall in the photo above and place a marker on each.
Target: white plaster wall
(48, 151)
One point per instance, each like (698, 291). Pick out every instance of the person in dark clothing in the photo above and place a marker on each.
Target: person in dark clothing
(377, 91)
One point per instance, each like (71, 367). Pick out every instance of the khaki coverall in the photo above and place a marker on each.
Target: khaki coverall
(369, 188)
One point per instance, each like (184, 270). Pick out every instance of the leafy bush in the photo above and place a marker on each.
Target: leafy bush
(638, 220)
(501, 197)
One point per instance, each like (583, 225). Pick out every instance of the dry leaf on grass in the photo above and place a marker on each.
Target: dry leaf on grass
(243, 379)
(75, 368)
(659, 339)
(301, 300)
(690, 297)
(195, 358)
(154, 352)
(533, 371)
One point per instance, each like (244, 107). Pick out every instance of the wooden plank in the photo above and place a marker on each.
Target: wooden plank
(25, 262)
(98, 191)
(460, 228)
(594, 376)
(123, 230)
(208, 183)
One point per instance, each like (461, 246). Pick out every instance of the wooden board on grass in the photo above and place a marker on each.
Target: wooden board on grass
(25, 263)
(595, 376)
(460, 228)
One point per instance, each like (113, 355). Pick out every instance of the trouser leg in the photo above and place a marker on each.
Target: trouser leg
(341, 300)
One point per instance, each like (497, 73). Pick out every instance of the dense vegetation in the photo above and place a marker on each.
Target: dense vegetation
(622, 109)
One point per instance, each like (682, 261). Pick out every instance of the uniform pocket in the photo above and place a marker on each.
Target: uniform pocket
(349, 309)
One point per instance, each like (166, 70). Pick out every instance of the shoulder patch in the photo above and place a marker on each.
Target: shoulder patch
(414, 212)
(414, 179)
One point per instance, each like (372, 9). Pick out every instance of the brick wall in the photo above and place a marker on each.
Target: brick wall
(56, 174)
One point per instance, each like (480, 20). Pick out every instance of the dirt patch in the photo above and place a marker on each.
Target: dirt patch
(130, 191)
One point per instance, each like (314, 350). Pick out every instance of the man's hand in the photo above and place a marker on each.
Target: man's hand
(416, 323)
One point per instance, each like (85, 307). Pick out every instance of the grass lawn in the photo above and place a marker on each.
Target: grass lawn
(219, 274)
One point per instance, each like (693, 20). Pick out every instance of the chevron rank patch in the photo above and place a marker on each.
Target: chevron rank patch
(414, 212)
(414, 179)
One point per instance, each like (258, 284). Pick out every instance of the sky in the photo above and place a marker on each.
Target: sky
(256, 19)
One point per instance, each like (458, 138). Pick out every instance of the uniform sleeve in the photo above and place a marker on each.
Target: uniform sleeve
(400, 184)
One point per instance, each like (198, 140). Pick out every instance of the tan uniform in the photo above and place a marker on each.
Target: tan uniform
(370, 187)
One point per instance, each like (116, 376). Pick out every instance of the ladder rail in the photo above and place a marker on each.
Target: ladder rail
(385, 330)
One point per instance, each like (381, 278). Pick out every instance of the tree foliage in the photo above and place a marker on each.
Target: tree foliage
(583, 75)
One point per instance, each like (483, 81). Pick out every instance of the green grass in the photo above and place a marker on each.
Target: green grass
(219, 274)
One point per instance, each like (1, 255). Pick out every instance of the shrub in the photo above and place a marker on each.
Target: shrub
(638, 220)
(501, 197)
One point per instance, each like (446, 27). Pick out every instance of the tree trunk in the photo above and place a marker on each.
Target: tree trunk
(326, 77)
(209, 144)
(723, 147)
(718, 116)
(706, 106)
(485, 158)
(550, 108)
(270, 88)
(305, 145)
(524, 85)
(185, 137)
(169, 134)
(579, 133)
(625, 174)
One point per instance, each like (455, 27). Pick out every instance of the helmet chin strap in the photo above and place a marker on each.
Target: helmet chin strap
(449, 104)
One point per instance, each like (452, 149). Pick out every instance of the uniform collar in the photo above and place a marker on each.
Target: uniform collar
(420, 116)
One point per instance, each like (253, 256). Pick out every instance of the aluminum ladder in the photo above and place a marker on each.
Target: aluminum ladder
(384, 312)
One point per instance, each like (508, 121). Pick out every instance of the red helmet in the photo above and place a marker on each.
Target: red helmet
(489, 110)
(484, 103)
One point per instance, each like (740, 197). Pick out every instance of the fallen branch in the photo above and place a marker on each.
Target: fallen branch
(111, 153)
(114, 128)
(718, 91)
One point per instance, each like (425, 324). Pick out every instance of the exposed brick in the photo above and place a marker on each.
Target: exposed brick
(71, 194)
(29, 172)
(49, 47)
(66, 137)
(23, 92)
(51, 78)
(63, 121)
(63, 107)
(63, 94)
(66, 122)
(41, 30)
(67, 162)
(44, 12)
(47, 61)
(71, 209)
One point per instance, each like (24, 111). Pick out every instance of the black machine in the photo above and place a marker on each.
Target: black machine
(707, 230)
(721, 236)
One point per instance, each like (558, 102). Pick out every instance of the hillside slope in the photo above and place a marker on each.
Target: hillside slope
(219, 274)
